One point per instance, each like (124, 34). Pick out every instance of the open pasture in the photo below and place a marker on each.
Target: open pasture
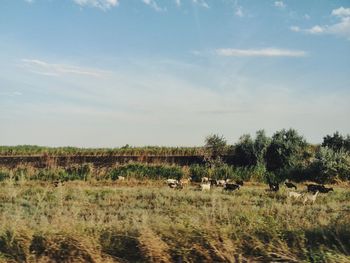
(146, 221)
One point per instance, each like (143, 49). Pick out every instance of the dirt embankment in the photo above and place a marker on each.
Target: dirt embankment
(42, 161)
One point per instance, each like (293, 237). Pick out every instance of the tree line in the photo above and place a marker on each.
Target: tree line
(285, 155)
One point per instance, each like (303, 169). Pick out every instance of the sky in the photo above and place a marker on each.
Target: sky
(105, 73)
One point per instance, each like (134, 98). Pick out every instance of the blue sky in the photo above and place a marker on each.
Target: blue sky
(105, 73)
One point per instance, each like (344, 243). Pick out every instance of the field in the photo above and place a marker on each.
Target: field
(145, 221)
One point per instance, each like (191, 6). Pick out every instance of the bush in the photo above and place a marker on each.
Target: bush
(198, 171)
(146, 171)
(330, 165)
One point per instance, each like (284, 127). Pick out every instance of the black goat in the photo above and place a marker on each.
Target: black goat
(239, 182)
(318, 187)
(290, 185)
(274, 187)
(231, 187)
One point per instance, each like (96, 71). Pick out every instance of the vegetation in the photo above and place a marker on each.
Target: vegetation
(108, 222)
(285, 155)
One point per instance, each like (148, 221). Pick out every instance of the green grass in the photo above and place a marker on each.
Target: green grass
(144, 221)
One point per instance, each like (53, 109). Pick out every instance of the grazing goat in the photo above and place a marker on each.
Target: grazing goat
(325, 190)
(290, 185)
(294, 194)
(231, 187)
(205, 179)
(310, 198)
(221, 183)
(239, 182)
(205, 187)
(318, 187)
(121, 178)
(171, 181)
(274, 187)
(185, 182)
(213, 182)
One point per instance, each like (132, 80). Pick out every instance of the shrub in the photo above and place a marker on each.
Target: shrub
(146, 171)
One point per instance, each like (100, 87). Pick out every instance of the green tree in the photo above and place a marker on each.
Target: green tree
(285, 152)
(215, 145)
(337, 142)
(330, 165)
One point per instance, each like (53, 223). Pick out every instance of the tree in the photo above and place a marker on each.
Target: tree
(337, 142)
(286, 151)
(244, 151)
(249, 152)
(261, 144)
(331, 165)
(215, 145)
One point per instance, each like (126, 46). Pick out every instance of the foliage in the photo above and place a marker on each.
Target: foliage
(146, 171)
(215, 145)
(337, 142)
(287, 150)
(251, 152)
(331, 165)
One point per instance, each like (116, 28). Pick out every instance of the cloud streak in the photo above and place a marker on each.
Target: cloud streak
(102, 4)
(267, 52)
(49, 69)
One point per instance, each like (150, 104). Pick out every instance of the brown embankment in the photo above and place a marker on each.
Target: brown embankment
(41, 161)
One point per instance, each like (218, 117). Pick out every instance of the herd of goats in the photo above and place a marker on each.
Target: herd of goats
(227, 185)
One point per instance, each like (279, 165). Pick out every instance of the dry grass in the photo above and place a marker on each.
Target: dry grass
(135, 221)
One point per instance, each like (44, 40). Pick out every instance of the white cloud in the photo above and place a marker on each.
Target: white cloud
(154, 5)
(341, 12)
(49, 69)
(341, 29)
(239, 11)
(267, 52)
(316, 30)
(295, 28)
(102, 4)
(202, 3)
(280, 4)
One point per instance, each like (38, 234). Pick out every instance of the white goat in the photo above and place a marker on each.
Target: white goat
(171, 181)
(205, 179)
(121, 178)
(294, 194)
(310, 198)
(205, 187)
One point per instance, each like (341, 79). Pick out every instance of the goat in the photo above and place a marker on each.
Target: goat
(311, 198)
(205, 187)
(205, 179)
(239, 182)
(325, 190)
(213, 182)
(221, 182)
(121, 178)
(318, 187)
(171, 181)
(184, 182)
(274, 187)
(294, 195)
(231, 187)
(290, 185)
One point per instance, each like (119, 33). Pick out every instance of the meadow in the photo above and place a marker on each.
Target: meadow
(146, 221)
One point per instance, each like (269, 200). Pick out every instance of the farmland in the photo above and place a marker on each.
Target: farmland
(145, 221)
(113, 205)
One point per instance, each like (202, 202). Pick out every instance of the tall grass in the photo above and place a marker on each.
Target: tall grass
(96, 222)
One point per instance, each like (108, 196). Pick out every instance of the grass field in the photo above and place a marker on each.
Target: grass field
(145, 221)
